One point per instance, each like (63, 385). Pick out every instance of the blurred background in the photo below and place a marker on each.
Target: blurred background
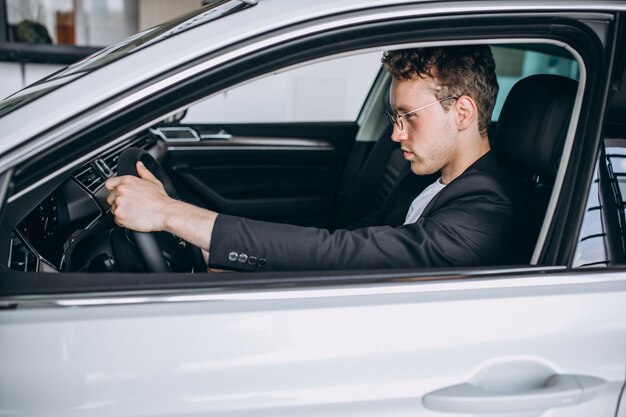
(39, 37)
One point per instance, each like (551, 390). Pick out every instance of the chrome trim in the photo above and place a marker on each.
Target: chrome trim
(162, 133)
(5, 182)
(221, 135)
(294, 142)
(450, 281)
(103, 167)
(246, 148)
(259, 143)
(10, 253)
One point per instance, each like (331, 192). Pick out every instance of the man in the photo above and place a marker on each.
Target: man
(441, 100)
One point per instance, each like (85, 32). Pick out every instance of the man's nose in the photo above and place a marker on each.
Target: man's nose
(397, 135)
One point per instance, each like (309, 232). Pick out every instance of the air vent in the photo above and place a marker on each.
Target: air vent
(112, 156)
(93, 175)
(90, 179)
(111, 161)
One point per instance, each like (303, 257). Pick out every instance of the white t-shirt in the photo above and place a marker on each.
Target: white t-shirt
(421, 201)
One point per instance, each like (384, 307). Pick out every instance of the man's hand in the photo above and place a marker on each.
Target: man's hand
(139, 204)
(142, 204)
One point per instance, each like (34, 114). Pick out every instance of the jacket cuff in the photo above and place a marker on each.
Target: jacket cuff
(232, 246)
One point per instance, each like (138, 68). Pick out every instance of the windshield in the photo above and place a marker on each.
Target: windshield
(212, 11)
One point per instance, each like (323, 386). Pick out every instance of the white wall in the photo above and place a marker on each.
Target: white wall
(333, 90)
(100, 23)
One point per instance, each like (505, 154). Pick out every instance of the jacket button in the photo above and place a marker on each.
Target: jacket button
(262, 263)
(252, 260)
(243, 258)
(233, 256)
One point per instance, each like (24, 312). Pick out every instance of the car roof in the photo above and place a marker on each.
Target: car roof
(83, 94)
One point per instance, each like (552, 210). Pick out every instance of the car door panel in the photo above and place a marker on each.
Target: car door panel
(278, 172)
(356, 350)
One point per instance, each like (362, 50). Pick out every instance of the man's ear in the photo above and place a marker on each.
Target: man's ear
(466, 112)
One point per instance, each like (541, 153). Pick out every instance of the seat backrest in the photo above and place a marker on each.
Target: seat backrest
(376, 178)
(531, 131)
(373, 181)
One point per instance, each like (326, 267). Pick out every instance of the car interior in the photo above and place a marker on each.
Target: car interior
(318, 172)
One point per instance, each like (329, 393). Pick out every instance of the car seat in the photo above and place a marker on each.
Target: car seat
(530, 135)
(371, 175)
(373, 182)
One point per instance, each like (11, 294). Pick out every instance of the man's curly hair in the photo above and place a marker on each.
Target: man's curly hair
(456, 70)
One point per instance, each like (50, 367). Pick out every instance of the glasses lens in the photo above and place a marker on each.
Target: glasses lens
(392, 116)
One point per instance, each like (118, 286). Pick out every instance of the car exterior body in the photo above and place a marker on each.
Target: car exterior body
(548, 338)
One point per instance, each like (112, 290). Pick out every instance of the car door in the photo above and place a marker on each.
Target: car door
(546, 339)
(274, 148)
(474, 345)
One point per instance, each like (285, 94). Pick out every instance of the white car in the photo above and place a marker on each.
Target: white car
(275, 109)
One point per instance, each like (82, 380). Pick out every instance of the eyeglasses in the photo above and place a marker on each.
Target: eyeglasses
(396, 118)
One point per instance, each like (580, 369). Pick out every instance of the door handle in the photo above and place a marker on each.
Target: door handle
(558, 391)
(218, 135)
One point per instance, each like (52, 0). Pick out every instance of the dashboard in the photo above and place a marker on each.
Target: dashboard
(46, 235)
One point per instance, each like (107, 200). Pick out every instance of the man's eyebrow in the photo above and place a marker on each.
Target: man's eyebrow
(400, 108)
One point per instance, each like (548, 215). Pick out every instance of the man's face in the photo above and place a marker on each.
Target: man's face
(429, 136)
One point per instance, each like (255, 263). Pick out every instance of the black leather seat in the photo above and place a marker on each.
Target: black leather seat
(530, 134)
(374, 181)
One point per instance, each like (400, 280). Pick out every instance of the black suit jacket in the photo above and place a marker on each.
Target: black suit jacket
(477, 219)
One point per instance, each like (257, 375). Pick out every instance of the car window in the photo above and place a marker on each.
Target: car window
(328, 91)
(591, 248)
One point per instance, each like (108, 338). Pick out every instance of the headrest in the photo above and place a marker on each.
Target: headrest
(533, 123)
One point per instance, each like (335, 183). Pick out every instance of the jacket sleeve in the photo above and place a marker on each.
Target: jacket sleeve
(476, 228)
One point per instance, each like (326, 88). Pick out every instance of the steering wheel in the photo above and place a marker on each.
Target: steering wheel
(159, 251)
